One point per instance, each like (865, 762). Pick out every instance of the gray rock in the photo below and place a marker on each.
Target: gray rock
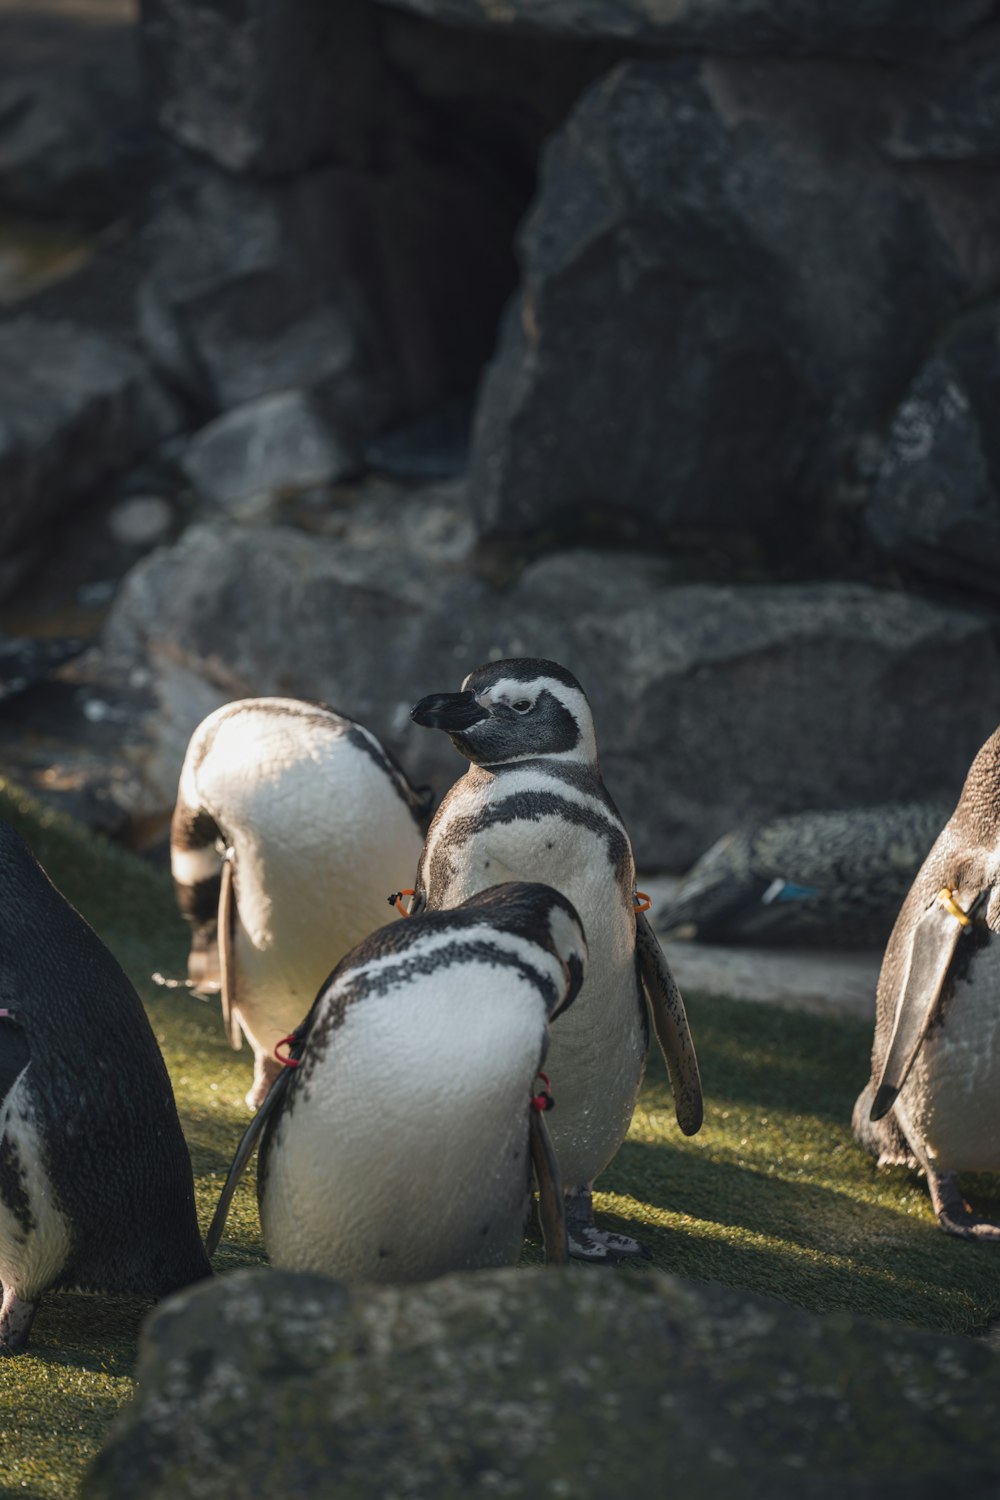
(949, 110)
(936, 501)
(269, 447)
(734, 286)
(267, 85)
(527, 1383)
(75, 408)
(881, 28)
(380, 289)
(713, 704)
(141, 521)
(72, 143)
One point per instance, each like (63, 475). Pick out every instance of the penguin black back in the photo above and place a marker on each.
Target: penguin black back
(99, 1093)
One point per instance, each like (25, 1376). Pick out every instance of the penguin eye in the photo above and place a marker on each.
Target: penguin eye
(521, 706)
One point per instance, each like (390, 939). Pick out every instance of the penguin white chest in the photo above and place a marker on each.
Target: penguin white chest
(404, 1151)
(598, 1047)
(34, 1234)
(951, 1101)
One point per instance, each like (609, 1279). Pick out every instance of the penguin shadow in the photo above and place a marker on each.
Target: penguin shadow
(763, 1055)
(796, 1239)
(87, 1331)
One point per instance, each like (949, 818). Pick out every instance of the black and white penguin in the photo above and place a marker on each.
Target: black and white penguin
(533, 805)
(400, 1142)
(836, 878)
(292, 824)
(934, 1096)
(96, 1191)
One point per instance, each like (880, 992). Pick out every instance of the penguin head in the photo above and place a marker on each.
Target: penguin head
(514, 710)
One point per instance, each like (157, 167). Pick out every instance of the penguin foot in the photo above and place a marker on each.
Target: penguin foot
(266, 1070)
(16, 1318)
(603, 1247)
(954, 1214)
(587, 1242)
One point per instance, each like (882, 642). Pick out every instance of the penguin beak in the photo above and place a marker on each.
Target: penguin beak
(452, 712)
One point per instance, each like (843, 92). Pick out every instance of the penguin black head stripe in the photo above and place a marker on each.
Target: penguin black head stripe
(513, 711)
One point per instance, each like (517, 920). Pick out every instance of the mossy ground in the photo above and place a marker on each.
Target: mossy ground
(771, 1195)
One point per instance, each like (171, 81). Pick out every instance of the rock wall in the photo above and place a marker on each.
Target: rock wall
(718, 281)
(712, 703)
(735, 281)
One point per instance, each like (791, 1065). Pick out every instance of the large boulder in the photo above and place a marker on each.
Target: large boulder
(725, 286)
(936, 501)
(527, 1383)
(76, 407)
(880, 28)
(712, 703)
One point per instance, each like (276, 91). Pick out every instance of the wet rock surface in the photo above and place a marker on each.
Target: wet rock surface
(527, 1382)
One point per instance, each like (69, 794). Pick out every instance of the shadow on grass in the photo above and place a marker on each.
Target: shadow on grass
(88, 1331)
(807, 1243)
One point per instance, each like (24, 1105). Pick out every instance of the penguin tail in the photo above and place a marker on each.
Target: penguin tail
(883, 1139)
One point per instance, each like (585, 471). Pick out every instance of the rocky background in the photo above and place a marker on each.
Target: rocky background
(344, 347)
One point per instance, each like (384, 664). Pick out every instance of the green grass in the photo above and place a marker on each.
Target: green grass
(771, 1195)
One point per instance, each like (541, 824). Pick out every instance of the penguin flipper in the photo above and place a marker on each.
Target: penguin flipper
(227, 973)
(932, 949)
(250, 1139)
(670, 1023)
(15, 1054)
(551, 1205)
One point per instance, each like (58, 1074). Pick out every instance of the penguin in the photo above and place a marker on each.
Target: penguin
(400, 1141)
(933, 1100)
(836, 878)
(533, 804)
(291, 823)
(96, 1191)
